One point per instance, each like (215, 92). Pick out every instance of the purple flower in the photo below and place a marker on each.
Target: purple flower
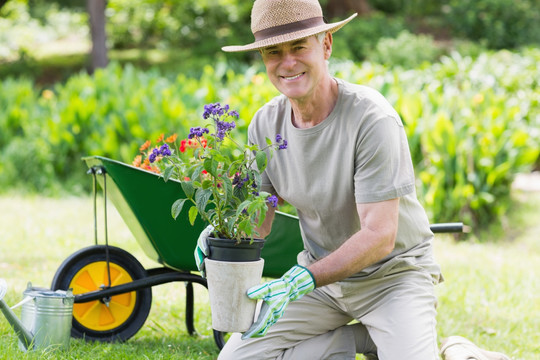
(238, 181)
(197, 132)
(214, 110)
(209, 110)
(217, 111)
(223, 128)
(152, 157)
(281, 142)
(273, 200)
(164, 150)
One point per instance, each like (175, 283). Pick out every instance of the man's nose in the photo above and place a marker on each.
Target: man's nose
(288, 60)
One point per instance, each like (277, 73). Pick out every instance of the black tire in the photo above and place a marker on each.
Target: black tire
(132, 316)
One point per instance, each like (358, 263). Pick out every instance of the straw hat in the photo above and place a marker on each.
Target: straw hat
(279, 21)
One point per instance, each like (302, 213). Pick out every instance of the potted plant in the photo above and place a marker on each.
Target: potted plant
(221, 182)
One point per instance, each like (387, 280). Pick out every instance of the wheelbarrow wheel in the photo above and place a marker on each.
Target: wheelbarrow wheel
(117, 318)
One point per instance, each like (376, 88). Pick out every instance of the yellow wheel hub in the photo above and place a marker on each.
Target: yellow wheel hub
(95, 315)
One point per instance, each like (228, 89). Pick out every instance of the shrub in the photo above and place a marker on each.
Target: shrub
(202, 26)
(110, 113)
(21, 33)
(503, 24)
(356, 40)
(406, 50)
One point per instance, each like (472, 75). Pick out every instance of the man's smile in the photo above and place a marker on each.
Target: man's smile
(293, 77)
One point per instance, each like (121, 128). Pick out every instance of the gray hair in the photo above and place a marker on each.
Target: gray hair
(320, 36)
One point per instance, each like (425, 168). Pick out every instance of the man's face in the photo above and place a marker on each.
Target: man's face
(296, 68)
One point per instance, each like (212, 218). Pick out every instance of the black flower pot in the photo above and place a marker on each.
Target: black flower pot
(231, 250)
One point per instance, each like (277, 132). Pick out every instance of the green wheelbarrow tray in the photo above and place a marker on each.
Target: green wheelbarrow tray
(143, 200)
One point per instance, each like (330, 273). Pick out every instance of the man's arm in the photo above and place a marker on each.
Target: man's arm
(266, 226)
(375, 240)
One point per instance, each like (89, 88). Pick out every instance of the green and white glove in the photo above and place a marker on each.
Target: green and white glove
(277, 294)
(201, 250)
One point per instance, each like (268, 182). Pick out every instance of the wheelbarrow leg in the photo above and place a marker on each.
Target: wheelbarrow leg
(189, 308)
(219, 338)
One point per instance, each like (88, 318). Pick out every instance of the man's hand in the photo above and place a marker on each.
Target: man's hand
(201, 250)
(276, 295)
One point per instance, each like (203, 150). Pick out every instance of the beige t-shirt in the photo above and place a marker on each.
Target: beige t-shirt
(358, 154)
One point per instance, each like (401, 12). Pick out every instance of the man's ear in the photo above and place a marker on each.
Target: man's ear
(327, 45)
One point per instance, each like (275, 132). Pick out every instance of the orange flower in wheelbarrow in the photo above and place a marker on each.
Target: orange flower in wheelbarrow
(150, 155)
(222, 179)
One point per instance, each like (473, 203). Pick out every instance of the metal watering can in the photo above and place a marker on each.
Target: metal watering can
(45, 317)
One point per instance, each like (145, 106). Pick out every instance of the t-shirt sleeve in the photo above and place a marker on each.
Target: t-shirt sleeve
(383, 166)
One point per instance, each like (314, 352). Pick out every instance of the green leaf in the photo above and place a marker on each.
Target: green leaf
(269, 142)
(246, 227)
(168, 172)
(207, 184)
(260, 158)
(187, 187)
(257, 178)
(242, 206)
(176, 207)
(201, 198)
(193, 212)
(234, 167)
(211, 166)
(196, 173)
(262, 216)
(227, 187)
(240, 193)
(254, 206)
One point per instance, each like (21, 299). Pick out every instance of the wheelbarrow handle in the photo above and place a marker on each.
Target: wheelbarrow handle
(455, 227)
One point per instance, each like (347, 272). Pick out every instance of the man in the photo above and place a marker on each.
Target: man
(368, 246)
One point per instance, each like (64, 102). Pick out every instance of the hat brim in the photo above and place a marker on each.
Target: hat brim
(288, 37)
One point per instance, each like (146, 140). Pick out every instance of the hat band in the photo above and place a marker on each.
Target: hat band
(288, 28)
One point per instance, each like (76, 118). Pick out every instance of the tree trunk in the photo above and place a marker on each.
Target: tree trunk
(96, 12)
(335, 8)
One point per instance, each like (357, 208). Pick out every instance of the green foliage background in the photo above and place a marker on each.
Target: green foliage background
(472, 115)
(472, 123)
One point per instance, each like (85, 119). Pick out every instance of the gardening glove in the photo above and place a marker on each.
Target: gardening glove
(276, 295)
(201, 250)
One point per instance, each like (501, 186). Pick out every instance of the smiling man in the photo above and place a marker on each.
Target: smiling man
(365, 280)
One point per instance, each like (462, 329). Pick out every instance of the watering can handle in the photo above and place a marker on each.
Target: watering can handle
(3, 288)
(22, 302)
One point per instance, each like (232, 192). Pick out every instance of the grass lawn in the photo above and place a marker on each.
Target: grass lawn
(490, 294)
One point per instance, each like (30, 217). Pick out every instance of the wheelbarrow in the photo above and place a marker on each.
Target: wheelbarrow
(112, 289)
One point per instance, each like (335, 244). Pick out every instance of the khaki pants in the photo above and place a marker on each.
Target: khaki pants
(395, 320)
